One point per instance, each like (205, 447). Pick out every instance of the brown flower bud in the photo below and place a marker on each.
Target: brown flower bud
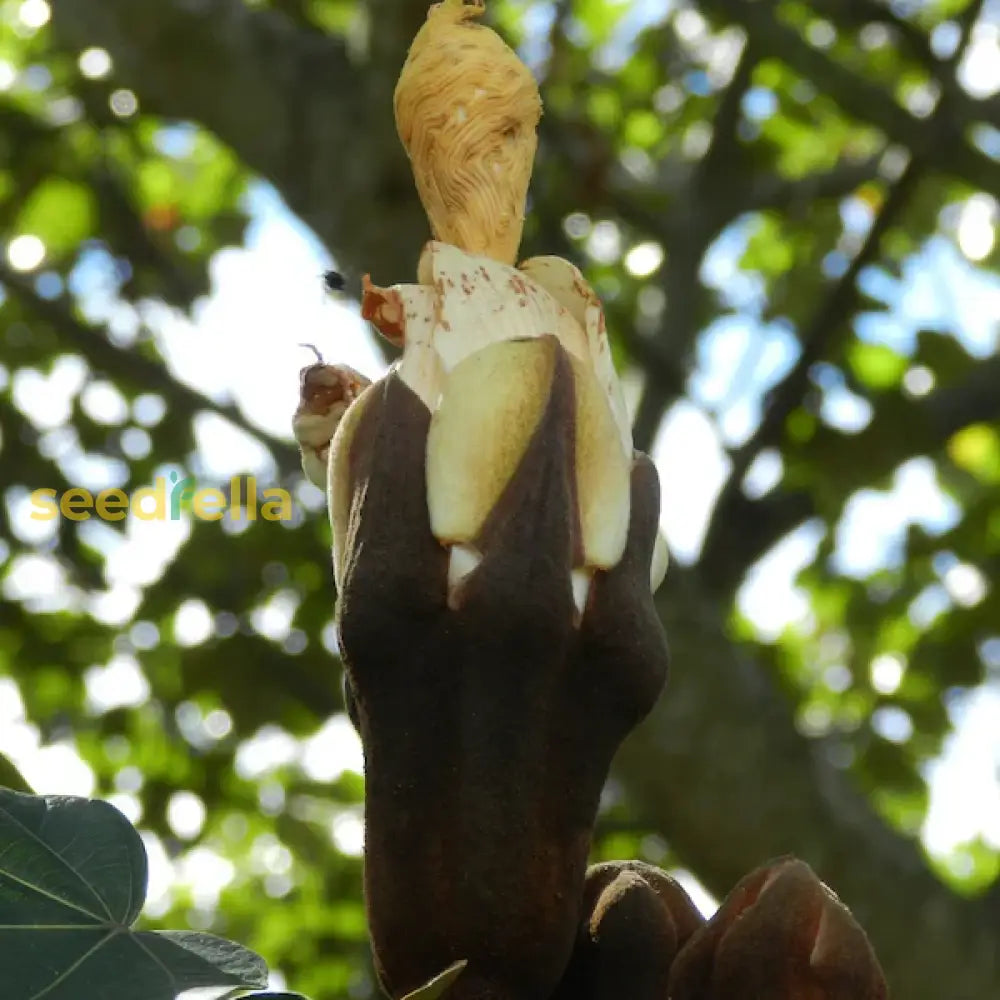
(781, 934)
(489, 723)
(635, 920)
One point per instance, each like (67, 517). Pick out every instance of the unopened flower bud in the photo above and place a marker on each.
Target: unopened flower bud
(781, 934)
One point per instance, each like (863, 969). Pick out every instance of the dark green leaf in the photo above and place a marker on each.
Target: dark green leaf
(72, 881)
(11, 777)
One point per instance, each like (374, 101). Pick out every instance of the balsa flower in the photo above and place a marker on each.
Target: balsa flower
(495, 546)
(494, 541)
(481, 337)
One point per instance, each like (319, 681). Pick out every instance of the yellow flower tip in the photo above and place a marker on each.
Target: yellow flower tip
(457, 10)
(467, 110)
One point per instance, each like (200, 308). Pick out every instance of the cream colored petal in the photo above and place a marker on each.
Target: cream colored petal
(340, 487)
(463, 560)
(603, 473)
(406, 315)
(325, 392)
(316, 430)
(579, 582)
(491, 405)
(564, 282)
(481, 301)
(567, 285)
(313, 432)
(420, 366)
(661, 559)
(314, 465)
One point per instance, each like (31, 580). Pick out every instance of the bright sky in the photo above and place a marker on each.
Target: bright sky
(242, 344)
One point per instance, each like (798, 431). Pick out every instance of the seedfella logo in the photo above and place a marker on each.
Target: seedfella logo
(163, 502)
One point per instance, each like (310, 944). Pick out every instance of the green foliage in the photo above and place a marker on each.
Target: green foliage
(64, 211)
(11, 778)
(74, 880)
(976, 449)
(876, 365)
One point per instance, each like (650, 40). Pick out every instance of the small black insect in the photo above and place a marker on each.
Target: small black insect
(333, 280)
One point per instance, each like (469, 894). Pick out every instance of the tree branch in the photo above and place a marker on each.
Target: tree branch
(124, 228)
(751, 527)
(218, 63)
(852, 14)
(294, 105)
(829, 321)
(772, 191)
(719, 548)
(694, 219)
(865, 101)
(131, 366)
